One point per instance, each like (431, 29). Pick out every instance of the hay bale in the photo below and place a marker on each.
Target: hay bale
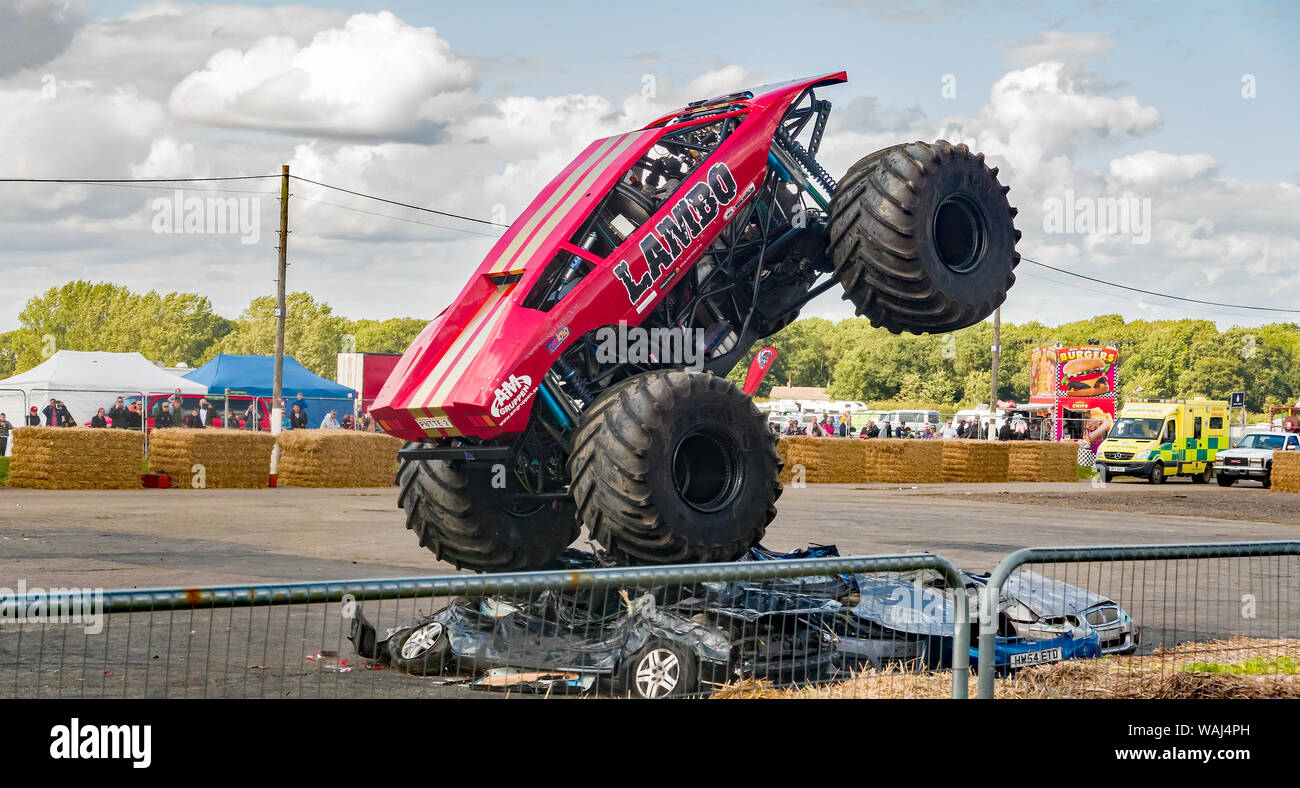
(824, 460)
(336, 458)
(974, 461)
(229, 458)
(902, 460)
(1041, 461)
(1286, 471)
(76, 458)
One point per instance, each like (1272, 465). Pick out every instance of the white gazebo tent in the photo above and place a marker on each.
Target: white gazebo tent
(86, 381)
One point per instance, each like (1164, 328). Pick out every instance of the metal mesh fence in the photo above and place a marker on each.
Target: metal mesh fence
(1167, 620)
(750, 627)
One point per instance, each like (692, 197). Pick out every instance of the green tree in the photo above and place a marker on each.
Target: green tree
(385, 336)
(313, 334)
(81, 315)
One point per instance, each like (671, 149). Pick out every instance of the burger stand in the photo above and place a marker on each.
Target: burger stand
(1077, 386)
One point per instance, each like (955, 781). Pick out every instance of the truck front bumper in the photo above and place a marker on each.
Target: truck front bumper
(1115, 468)
(1241, 471)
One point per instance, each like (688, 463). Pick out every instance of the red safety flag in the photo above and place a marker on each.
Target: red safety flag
(763, 361)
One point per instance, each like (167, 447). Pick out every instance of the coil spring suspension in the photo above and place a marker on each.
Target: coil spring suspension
(806, 160)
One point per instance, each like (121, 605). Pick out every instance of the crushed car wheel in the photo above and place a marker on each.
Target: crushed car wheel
(659, 670)
(458, 515)
(674, 467)
(922, 237)
(421, 650)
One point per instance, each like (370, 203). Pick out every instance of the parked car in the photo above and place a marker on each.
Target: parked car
(1252, 457)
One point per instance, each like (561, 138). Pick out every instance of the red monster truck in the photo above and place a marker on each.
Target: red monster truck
(713, 225)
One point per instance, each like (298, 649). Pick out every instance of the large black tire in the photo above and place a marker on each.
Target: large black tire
(923, 238)
(674, 467)
(461, 518)
(1226, 481)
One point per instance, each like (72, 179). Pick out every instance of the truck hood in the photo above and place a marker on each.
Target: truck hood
(1251, 453)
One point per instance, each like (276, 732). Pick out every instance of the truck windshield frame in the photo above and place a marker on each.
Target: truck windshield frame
(1138, 429)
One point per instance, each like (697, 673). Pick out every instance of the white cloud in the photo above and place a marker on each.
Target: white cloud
(34, 31)
(1153, 168)
(374, 77)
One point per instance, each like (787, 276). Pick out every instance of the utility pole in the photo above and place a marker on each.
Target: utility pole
(997, 351)
(277, 396)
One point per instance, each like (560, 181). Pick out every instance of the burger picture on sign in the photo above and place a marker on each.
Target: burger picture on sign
(1085, 377)
(1086, 371)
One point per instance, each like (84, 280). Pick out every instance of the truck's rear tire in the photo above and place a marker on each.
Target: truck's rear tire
(458, 515)
(674, 467)
(923, 238)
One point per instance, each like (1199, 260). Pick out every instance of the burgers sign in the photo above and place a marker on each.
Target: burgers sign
(1086, 371)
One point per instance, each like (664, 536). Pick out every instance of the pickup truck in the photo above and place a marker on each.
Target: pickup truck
(1252, 457)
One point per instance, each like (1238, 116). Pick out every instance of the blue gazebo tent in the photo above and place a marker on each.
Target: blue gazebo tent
(254, 376)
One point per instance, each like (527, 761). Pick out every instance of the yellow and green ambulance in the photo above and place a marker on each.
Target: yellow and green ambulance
(1155, 439)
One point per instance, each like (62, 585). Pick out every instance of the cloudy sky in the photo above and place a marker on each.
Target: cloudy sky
(1188, 109)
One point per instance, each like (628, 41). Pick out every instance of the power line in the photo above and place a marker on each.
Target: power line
(134, 180)
(1161, 295)
(390, 216)
(1133, 299)
(402, 204)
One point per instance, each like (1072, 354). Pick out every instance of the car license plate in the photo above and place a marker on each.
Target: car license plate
(1036, 657)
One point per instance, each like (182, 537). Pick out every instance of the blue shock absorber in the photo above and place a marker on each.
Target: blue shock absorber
(554, 408)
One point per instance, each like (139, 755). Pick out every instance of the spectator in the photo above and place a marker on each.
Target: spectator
(368, 423)
(331, 421)
(888, 430)
(205, 412)
(1004, 432)
(298, 418)
(252, 417)
(792, 428)
(98, 420)
(301, 403)
(65, 416)
(178, 402)
(117, 415)
(195, 419)
(844, 425)
(5, 427)
(949, 431)
(348, 422)
(51, 412)
(33, 420)
(163, 418)
(133, 419)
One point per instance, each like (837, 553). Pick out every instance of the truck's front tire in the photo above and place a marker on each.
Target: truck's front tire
(674, 467)
(458, 515)
(923, 238)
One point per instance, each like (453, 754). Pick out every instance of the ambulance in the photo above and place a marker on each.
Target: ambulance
(1156, 439)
